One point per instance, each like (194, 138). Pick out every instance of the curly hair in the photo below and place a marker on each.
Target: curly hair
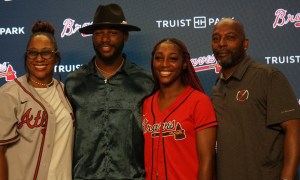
(189, 76)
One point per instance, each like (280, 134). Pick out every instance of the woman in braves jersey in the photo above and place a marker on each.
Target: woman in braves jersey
(36, 121)
(179, 122)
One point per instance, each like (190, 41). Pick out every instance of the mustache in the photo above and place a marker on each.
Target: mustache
(104, 45)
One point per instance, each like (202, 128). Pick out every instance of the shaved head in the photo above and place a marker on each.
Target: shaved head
(232, 23)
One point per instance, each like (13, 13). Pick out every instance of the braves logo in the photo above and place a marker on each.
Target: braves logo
(167, 128)
(205, 63)
(7, 71)
(70, 27)
(242, 95)
(282, 18)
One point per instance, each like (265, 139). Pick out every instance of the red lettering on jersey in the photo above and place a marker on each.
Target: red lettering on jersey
(34, 121)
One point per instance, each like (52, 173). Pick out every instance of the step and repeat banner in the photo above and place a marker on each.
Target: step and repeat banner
(273, 27)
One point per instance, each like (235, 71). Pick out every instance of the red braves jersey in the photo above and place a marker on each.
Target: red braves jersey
(170, 136)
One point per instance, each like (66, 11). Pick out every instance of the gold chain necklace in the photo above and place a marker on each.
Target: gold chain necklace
(42, 84)
(107, 73)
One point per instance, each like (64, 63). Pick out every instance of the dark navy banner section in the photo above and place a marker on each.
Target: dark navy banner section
(273, 27)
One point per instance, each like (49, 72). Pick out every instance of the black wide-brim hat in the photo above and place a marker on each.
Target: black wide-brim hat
(108, 16)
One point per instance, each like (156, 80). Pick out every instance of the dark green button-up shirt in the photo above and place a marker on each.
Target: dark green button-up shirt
(108, 136)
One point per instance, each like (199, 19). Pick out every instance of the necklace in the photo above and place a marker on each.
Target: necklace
(107, 73)
(42, 84)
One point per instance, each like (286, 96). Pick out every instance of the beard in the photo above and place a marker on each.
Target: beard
(234, 59)
(118, 49)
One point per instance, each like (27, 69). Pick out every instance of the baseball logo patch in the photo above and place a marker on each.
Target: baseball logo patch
(242, 95)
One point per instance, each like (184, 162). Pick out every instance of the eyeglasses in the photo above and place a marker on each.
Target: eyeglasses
(46, 54)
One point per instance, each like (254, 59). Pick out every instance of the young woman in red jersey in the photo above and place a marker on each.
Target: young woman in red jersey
(179, 122)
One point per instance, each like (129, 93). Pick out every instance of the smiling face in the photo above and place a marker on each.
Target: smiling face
(229, 43)
(168, 65)
(39, 68)
(108, 43)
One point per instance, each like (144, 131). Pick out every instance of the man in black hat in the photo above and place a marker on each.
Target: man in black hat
(106, 95)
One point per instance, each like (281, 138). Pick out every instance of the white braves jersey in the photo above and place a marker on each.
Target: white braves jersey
(27, 124)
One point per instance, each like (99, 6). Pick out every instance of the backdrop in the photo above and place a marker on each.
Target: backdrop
(273, 27)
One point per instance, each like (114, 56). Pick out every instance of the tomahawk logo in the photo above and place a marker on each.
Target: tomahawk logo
(7, 72)
(242, 95)
(178, 134)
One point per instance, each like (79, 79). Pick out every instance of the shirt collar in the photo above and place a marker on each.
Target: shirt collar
(92, 69)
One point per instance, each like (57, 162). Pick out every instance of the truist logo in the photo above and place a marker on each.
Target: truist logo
(7, 71)
(205, 63)
(197, 22)
(12, 30)
(70, 27)
(34, 121)
(282, 18)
